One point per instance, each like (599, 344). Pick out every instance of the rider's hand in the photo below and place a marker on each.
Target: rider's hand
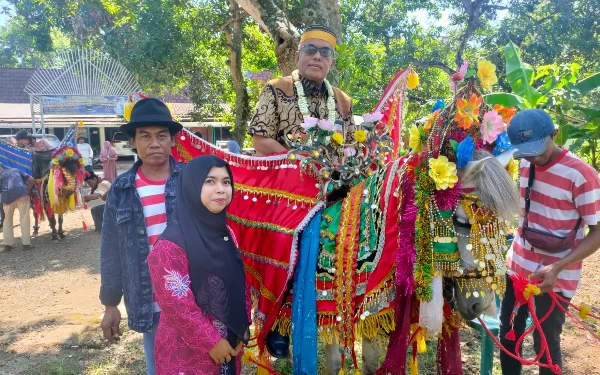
(548, 275)
(110, 323)
(222, 352)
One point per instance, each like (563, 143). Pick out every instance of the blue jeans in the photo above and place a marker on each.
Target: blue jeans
(148, 340)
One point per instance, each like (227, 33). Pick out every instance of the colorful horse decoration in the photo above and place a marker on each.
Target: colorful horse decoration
(39, 165)
(415, 243)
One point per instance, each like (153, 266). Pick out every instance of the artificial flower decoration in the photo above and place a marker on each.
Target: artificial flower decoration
(372, 117)
(69, 152)
(457, 78)
(439, 104)
(491, 126)
(507, 113)
(326, 125)
(309, 123)
(584, 311)
(502, 144)
(349, 152)
(464, 152)
(413, 80)
(513, 169)
(442, 172)
(337, 138)
(360, 136)
(82, 162)
(467, 113)
(486, 72)
(431, 120)
(414, 140)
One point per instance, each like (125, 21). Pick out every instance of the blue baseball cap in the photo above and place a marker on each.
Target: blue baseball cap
(530, 132)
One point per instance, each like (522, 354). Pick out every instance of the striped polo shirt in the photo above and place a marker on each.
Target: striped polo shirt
(562, 192)
(152, 195)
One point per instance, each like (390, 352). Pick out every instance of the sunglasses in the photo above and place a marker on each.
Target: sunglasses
(311, 50)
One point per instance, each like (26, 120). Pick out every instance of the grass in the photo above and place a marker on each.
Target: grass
(64, 366)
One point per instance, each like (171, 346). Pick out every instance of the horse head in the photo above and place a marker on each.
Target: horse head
(489, 190)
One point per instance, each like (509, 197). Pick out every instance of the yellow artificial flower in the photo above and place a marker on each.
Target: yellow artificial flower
(486, 72)
(414, 139)
(443, 173)
(337, 138)
(82, 162)
(69, 152)
(513, 169)
(360, 136)
(584, 311)
(55, 161)
(413, 80)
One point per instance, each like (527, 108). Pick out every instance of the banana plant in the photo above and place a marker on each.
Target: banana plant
(557, 90)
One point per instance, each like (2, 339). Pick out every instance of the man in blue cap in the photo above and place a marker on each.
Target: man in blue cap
(560, 197)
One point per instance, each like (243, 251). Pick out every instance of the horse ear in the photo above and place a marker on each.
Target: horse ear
(505, 157)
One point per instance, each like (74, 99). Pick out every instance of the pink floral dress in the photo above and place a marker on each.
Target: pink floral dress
(185, 333)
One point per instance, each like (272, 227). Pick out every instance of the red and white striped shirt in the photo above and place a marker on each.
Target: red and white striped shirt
(152, 195)
(562, 192)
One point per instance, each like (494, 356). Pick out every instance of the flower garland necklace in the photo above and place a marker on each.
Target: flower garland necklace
(303, 105)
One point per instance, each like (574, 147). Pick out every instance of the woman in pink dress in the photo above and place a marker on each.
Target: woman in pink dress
(199, 278)
(108, 157)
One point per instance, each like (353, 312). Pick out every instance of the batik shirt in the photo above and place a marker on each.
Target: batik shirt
(278, 114)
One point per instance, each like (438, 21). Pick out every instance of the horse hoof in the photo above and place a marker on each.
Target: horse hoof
(62, 235)
(54, 237)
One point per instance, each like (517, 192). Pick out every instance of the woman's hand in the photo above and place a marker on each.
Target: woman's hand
(222, 352)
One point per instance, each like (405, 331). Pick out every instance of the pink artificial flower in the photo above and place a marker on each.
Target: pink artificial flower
(349, 152)
(372, 117)
(457, 78)
(309, 122)
(326, 125)
(463, 68)
(491, 126)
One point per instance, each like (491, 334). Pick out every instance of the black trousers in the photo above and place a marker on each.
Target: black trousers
(552, 328)
(98, 216)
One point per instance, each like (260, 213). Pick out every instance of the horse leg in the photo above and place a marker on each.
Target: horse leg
(52, 222)
(333, 359)
(36, 226)
(372, 355)
(61, 233)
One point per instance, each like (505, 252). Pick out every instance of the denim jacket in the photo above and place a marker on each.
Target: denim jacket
(124, 248)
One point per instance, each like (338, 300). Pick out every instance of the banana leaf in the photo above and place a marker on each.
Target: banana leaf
(505, 100)
(589, 84)
(520, 76)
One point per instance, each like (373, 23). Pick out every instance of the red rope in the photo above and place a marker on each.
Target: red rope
(528, 331)
(554, 368)
(555, 295)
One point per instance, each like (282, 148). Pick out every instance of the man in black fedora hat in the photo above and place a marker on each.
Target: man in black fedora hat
(139, 204)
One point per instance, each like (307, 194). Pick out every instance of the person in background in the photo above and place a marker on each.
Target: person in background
(139, 204)
(99, 191)
(108, 157)
(25, 139)
(86, 153)
(199, 278)
(233, 147)
(198, 134)
(564, 199)
(15, 187)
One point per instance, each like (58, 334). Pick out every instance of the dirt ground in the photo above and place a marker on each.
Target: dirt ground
(50, 314)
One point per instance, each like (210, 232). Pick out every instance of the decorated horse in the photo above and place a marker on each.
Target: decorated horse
(60, 187)
(416, 243)
(39, 165)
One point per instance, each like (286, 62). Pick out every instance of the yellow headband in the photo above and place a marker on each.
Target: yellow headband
(318, 34)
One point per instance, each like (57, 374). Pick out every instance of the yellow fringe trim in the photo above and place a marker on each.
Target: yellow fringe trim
(283, 326)
(373, 325)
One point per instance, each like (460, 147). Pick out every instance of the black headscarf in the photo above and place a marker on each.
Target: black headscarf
(216, 269)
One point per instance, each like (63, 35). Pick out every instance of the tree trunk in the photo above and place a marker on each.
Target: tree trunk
(273, 19)
(234, 33)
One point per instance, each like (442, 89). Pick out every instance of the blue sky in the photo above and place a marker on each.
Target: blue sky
(3, 17)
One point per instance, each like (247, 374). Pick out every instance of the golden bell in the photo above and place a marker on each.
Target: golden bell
(127, 108)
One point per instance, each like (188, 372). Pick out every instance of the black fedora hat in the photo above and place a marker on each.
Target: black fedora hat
(150, 112)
